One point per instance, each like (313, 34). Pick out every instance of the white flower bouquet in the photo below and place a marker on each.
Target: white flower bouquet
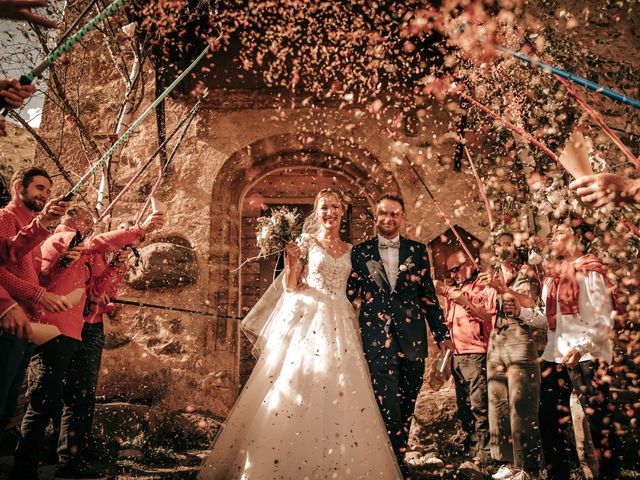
(278, 229)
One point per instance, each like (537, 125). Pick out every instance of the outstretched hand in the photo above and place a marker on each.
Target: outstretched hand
(153, 222)
(607, 188)
(445, 345)
(14, 92)
(21, 10)
(489, 280)
(293, 253)
(73, 254)
(572, 358)
(52, 302)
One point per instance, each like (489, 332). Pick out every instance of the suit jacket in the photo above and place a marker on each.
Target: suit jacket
(406, 307)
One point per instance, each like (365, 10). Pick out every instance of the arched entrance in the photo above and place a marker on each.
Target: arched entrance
(239, 181)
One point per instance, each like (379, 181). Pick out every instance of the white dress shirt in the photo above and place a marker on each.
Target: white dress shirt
(589, 331)
(390, 259)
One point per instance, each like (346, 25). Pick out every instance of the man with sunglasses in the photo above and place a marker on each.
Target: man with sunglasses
(470, 309)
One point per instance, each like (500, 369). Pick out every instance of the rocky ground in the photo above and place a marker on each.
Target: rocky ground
(132, 445)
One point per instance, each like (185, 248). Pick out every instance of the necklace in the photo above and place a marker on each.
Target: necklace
(333, 245)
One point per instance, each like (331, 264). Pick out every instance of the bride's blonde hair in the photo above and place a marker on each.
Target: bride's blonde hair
(330, 192)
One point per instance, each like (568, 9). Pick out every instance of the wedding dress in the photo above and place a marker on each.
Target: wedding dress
(308, 410)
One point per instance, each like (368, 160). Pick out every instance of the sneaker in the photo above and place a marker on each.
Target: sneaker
(504, 472)
(78, 471)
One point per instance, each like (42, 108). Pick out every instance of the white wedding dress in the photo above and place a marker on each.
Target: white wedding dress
(308, 410)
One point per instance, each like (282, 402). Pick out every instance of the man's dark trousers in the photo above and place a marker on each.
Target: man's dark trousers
(14, 358)
(469, 373)
(80, 394)
(47, 374)
(557, 383)
(396, 384)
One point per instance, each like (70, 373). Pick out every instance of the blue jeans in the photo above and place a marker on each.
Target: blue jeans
(80, 394)
(514, 396)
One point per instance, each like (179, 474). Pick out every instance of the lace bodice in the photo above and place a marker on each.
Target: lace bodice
(324, 272)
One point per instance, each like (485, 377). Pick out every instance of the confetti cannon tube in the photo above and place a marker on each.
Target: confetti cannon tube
(66, 46)
(444, 215)
(596, 118)
(135, 124)
(483, 194)
(510, 126)
(617, 96)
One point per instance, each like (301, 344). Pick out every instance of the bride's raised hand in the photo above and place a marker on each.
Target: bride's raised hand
(292, 253)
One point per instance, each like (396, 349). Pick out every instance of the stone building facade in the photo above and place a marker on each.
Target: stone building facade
(248, 149)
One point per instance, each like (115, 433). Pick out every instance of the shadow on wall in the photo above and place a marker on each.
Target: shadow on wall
(166, 261)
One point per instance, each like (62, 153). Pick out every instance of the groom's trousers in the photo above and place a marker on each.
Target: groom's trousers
(396, 384)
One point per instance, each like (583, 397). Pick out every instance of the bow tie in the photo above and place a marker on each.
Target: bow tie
(385, 244)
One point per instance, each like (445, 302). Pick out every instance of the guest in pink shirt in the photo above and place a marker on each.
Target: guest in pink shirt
(108, 266)
(470, 310)
(13, 320)
(21, 295)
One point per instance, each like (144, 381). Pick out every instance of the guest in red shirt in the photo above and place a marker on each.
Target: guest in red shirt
(84, 369)
(470, 310)
(22, 298)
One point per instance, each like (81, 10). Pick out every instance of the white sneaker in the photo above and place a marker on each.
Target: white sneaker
(504, 472)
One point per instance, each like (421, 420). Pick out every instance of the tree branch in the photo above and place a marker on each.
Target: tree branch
(45, 146)
(59, 91)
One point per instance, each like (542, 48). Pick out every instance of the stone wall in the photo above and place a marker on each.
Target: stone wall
(176, 360)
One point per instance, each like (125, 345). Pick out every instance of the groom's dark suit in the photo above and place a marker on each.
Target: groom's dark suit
(394, 334)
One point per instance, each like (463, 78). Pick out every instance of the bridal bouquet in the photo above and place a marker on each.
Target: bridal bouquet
(275, 231)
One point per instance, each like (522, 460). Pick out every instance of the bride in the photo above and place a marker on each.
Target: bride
(308, 409)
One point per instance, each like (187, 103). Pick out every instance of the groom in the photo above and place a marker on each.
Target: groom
(392, 279)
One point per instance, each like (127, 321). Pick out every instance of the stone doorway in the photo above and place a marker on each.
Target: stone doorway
(293, 187)
(237, 178)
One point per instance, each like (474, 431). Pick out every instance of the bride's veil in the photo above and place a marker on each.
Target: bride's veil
(256, 324)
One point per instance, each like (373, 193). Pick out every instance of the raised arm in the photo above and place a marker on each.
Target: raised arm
(292, 265)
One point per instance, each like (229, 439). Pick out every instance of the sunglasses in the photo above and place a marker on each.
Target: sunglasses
(455, 269)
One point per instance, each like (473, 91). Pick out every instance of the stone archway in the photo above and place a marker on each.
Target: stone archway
(230, 186)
